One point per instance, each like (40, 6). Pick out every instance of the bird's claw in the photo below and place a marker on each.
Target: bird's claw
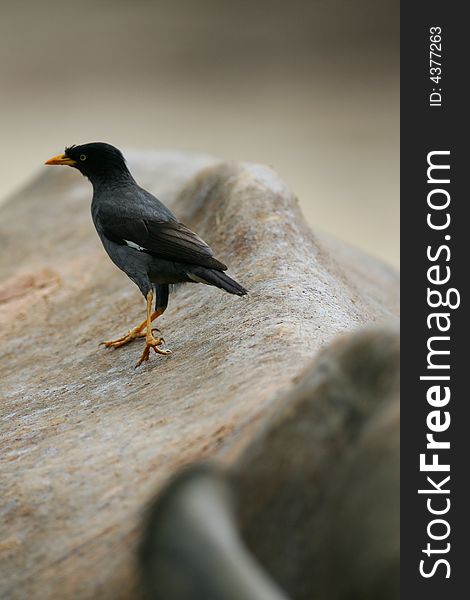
(155, 329)
(132, 334)
(152, 343)
(117, 343)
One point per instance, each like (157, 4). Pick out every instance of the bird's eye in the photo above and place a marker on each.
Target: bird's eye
(82, 156)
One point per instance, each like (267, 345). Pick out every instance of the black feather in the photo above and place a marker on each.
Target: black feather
(169, 240)
(162, 291)
(219, 279)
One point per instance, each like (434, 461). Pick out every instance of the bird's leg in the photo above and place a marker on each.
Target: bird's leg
(133, 333)
(150, 341)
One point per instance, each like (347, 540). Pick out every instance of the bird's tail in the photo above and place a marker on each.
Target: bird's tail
(217, 278)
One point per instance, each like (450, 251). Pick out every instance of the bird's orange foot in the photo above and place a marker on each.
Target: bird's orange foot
(151, 342)
(128, 337)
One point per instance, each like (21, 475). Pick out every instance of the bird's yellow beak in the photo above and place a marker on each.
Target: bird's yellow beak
(61, 159)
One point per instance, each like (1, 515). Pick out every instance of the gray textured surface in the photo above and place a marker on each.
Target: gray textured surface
(318, 488)
(85, 438)
(315, 495)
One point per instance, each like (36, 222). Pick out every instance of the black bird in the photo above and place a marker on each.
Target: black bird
(142, 237)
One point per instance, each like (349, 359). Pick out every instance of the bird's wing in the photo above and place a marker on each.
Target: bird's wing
(170, 240)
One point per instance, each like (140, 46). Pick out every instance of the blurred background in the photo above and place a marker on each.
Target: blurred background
(310, 87)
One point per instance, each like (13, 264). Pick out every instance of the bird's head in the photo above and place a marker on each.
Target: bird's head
(96, 160)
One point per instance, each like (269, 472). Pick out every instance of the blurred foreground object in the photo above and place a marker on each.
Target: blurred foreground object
(315, 495)
(85, 441)
(192, 549)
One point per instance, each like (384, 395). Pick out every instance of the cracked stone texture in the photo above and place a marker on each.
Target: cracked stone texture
(85, 439)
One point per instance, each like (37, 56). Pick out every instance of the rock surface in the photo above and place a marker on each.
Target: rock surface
(86, 439)
(312, 505)
(323, 517)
